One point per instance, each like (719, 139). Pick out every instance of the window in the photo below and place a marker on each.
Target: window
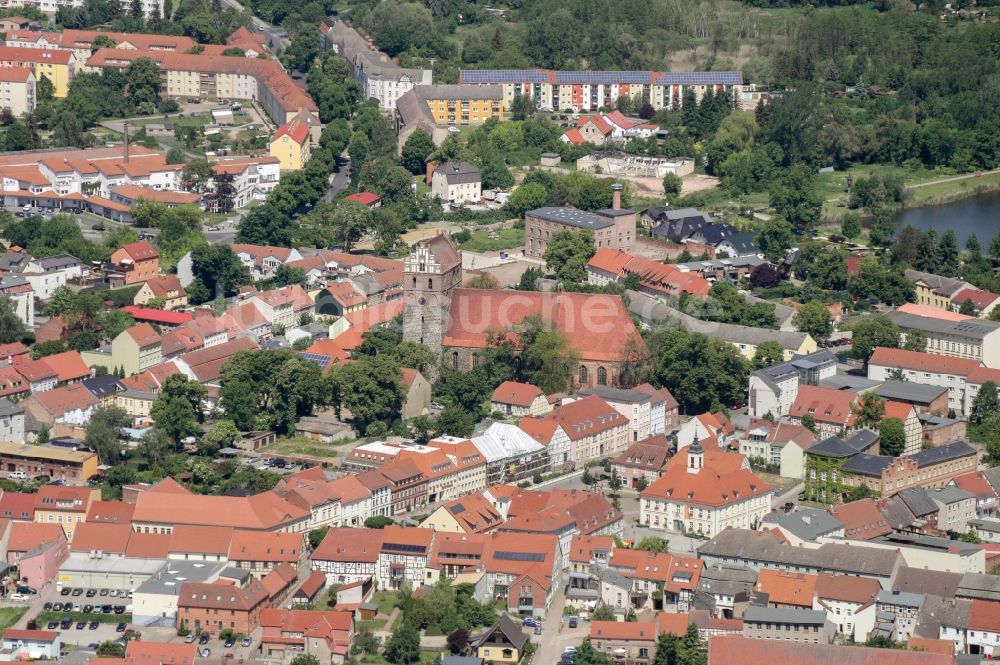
(602, 376)
(454, 359)
(583, 375)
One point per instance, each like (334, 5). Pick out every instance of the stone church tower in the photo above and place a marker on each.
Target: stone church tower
(430, 274)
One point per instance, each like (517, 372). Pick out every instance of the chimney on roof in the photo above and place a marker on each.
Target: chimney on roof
(616, 196)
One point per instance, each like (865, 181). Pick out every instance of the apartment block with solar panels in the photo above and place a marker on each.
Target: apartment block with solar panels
(592, 90)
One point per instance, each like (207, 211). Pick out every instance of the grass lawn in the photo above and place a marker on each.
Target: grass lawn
(426, 658)
(505, 239)
(11, 615)
(385, 600)
(374, 624)
(946, 189)
(204, 118)
(300, 445)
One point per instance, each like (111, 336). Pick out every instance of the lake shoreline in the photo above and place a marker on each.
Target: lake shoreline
(967, 212)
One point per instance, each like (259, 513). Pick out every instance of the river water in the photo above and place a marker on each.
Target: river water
(979, 215)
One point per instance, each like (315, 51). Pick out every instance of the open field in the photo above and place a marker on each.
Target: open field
(505, 239)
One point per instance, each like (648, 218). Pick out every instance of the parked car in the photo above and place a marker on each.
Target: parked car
(53, 625)
(572, 624)
(23, 588)
(104, 592)
(88, 609)
(206, 652)
(120, 628)
(94, 625)
(530, 623)
(203, 639)
(230, 641)
(80, 625)
(77, 592)
(19, 597)
(191, 637)
(91, 593)
(65, 591)
(57, 607)
(66, 622)
(246, 642)
(47, 606)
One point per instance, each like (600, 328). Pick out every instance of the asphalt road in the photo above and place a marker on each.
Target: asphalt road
(556, 633)
(340, 179)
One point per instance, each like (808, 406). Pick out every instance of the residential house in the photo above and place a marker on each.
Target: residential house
(291, 142)
(21, 644)
(773, 390)
(348, 555)
(11, 421)
(715, 427)
(263, 260)
(136, 349)
(134, 263)
(849, 603)
(642, 463)
(635, 405)
(37, 550)
(457, 183)
(519, 399)
(167, 287)
(261, 553)
(503, 643)
(613, 228)
(213, 607)
(58, 463)
(65, 506)
(70, 405)
(325, 635)
(664, 411)
(780, 444)
(928, 369)
(831, 411)
(765, 623)
(584, 429)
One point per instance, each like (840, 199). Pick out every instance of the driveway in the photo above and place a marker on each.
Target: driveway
(556, 633)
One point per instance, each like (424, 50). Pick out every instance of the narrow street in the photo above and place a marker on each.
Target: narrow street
(556, 633)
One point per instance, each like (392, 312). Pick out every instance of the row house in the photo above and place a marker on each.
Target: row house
(955, 336)
(773, 390)
(556, 90)
(589, 427)
(831, 410)
(510, 560)
(214, 607)
(403, 557)
(247, 179)
(713, 427)
(659, 580)
(642, 463)
(263, 260)
(348, 555)
(324, 635)
(469, 464)
(262, 553)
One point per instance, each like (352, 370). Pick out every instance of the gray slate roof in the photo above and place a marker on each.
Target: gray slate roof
(8, 408)
(932, 582)
(571, 217)
(833, 446)
(918, 502)
(806, 523)
(901, 598)
(908, 391)
(943, 453)
(755, 613)
(971, 329)
(459, 173)
(979, 585)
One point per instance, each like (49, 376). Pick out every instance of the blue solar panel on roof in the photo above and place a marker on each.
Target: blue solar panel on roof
(502, 76)
(321, 360)
(703, 78)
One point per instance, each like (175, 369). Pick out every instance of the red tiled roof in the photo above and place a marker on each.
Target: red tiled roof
(364, 198)
(95, 536)
(159, 653)
(139, 251)
(787, 588)
(706, 487)
(33, 635)
(574, 136)
(110, 512)
(980, 299)
(598, 326)
(738, 650)
(898, 410)
(33, 370)
(344, 544)
(346, 294)
(143, 334)
(825, 405)
(603, 126)
(923, 362)
(68, 365)
(27, 536)
(66, 398)
(137, 192)
(270, 547)
(847, 588)
(518, 394)
(610, 260)
(36, 55)
(162, 316)
(17, 506)
(295, 129)
(862, 519)
(985, 616)
(14, 74)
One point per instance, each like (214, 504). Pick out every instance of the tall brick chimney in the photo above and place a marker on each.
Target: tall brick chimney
(616, 196)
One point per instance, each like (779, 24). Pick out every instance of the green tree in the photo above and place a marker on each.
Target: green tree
(567, 254)
(869, 410)
(304, 47)
(967, 308)
(850, 226)
(652, 544)
(768, 353)
(774, 239)
(985, 404)
(948, 259)
(701, 373)
(104, 433)
(926, 252)
(604, 612)
(196, 175)
(270, 389)
(144, 83)
(177, 409)
(528, 196)
(418, 146)
(305, 659)
(222, 435)
(672, 184)
(667, 649)
(12, 329)
(458, 641)
(371, 390)
(586, 654)
(868, 334)
(550, 361)
(693, 650)
(378, 522)
(218, 269)
(45, 89)
(892, 437)
(794, 196)
(814, 318)
(403, 646)
(529, 279)
(916, 340)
